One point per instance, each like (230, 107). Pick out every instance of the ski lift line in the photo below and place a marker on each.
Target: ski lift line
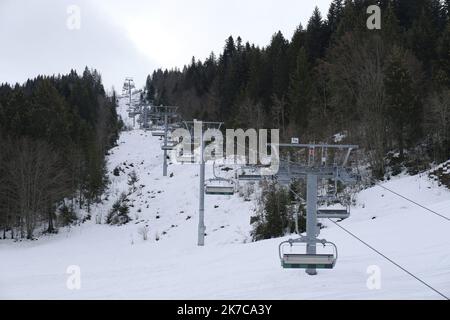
(390, 260)
(412, 201)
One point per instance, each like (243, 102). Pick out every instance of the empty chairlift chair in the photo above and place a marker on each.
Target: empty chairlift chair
(296, 258)
(158, 133)
(221, 187)
(186, 155)
(250, 175)
(171, 144)
(333, 213)
(186, 158)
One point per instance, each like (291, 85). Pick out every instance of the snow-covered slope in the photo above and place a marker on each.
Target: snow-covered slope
(116, 262)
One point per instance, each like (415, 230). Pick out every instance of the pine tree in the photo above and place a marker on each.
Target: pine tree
(150, 89)
(446, 9)
(422, 37)
(352, 20)
(297, 41)
(334, 15)
(316, 36)
(278, 59)
(442, 74)
(299, 93)
(390, 30)
(402, 100)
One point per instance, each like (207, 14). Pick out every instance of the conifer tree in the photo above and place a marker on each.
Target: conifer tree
(299, 93)
(402, 100)
(316, 36)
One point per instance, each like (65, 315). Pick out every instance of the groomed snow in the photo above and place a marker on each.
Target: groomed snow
(116, 263)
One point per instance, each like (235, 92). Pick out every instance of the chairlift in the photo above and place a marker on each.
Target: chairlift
(250, 177)
(174, 126)
(158, 133)
(245, 176)
(292, 259)
(333, 213)
(186, 158)
(219, 187)
(170, 145)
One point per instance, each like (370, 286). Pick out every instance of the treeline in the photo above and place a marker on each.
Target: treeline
(54, 134)
(387, 89)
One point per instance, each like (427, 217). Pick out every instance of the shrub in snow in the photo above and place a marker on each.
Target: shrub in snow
(274, 216)
(143, 232)
(66, 216)
(132, 179)
(116, 171)
(119, 213)
(247, 190)
(98, 218)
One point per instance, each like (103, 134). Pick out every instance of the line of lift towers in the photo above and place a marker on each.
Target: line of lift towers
(314, 164)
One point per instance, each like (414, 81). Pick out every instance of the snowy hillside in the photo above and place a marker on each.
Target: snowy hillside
(116, 262)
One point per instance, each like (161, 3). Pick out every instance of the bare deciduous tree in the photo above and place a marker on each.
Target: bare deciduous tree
(35, 179)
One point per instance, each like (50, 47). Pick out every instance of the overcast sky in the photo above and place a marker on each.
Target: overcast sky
(123, 38)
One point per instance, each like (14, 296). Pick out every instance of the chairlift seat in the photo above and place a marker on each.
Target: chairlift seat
(170, 145)
(219, 190)
(158, 133)
(333, 213)
(186, 158)
(305, 261)
(250, 177)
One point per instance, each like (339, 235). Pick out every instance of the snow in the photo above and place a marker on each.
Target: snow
(116, 263)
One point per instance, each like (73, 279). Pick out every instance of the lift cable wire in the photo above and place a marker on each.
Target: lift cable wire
(390, 260)
(412, 201)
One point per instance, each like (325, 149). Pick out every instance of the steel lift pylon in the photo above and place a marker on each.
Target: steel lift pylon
(313, 170)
